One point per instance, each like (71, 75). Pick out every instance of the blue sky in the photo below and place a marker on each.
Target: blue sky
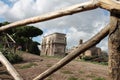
(6, 1)
(79, 26)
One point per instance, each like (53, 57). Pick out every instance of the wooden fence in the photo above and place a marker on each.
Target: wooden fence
(113, 29)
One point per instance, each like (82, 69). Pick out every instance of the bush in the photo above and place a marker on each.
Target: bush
(12, 57)
(88, 58)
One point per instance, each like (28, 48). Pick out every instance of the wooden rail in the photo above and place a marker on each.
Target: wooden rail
(111, 5)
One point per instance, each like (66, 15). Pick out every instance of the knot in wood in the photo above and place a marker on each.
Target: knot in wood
(115, 12)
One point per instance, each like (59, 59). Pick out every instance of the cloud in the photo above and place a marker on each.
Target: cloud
(79, 26)
(3, 8)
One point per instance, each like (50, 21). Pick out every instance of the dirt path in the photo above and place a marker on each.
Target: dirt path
(75, 70)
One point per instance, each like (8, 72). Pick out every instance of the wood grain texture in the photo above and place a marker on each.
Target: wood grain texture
(110, 5)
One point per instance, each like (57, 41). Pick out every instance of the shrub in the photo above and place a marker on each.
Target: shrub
(87, 58)
(12, 57)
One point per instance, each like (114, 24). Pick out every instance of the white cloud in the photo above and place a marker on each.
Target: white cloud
(3, 8)
(79, 26)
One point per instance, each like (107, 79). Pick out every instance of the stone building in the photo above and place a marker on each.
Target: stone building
(54, 45)
(93, 51)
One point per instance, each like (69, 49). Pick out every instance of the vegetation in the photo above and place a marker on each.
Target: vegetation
(67, 72)
(49, 65)
(23, 37)
(101, 58)
(90, 76)
(81, 72)
(29, 65)
(72, 78)
(12, 57)
(98, 78)
(88, 58)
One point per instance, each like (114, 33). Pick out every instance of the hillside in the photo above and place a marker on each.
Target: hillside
(75, 70)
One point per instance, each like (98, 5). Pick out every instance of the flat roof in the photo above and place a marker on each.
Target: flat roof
(55, 33)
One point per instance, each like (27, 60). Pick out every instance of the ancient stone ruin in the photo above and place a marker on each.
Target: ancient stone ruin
(54, 45)
(93, 51)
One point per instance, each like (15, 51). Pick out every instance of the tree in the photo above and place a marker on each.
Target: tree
(28, 31)
(23, 36)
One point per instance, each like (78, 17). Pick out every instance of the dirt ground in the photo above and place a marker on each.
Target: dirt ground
(76, 70)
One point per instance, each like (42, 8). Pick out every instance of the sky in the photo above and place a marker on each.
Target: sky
(78, 26)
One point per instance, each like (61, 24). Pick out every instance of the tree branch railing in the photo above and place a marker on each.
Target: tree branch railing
(110, 5)
(10, 68)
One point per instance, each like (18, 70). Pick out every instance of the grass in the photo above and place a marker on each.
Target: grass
(91, 76)
(94, 77)
(67, 72)
(81, 72)
(99, 63)
(99, 78)
(29, 65)
(58, 57)
(82, 79)
(49, 79)
(49, 65)
(72, 78)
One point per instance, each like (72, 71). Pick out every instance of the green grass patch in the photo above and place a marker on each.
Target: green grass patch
(72, 78)
(101, 63)
(93, 62)
(57, 57)
(99, 78)
(49, 79)
(67, 72)
(29, 65)
(81, 72)
(91, 76)
(82, 79)
(49, 65)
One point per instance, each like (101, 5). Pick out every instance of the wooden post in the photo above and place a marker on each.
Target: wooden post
(10, 68)
(114, 47)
